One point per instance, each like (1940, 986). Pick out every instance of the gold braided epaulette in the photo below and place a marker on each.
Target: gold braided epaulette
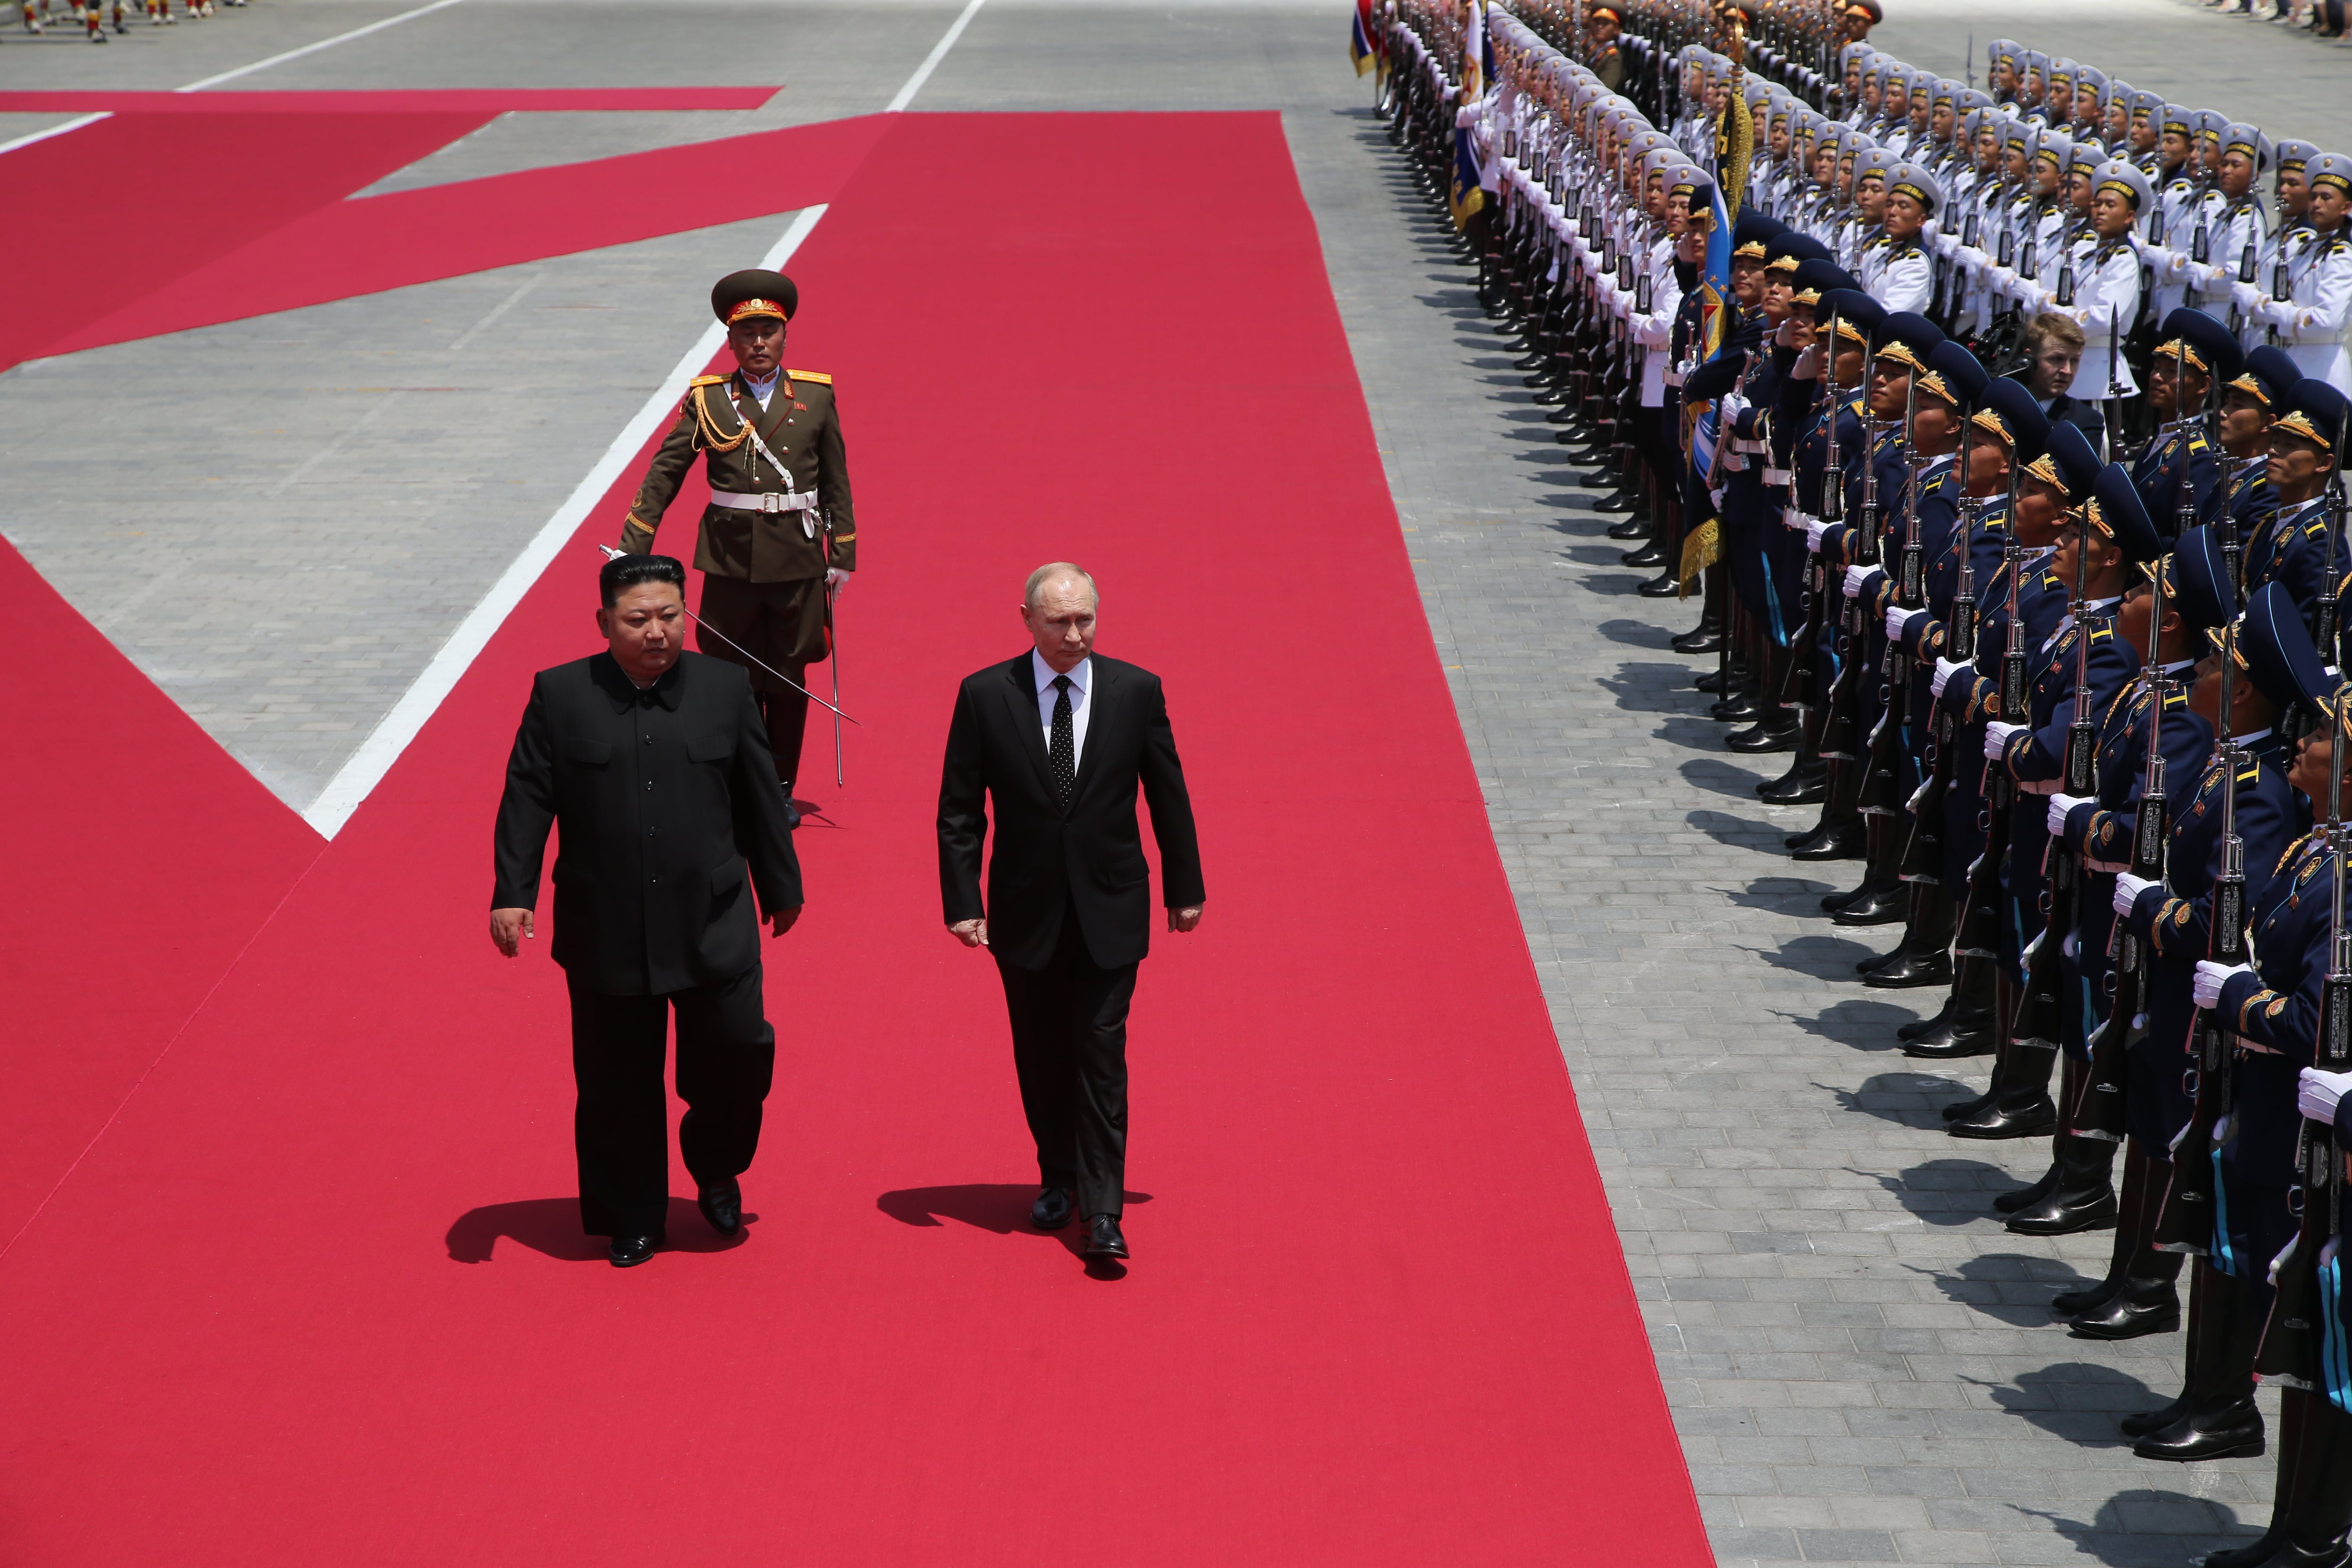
(815, 375)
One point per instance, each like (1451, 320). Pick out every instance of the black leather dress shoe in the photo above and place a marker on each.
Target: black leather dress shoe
(1665, 586)
(1739, 708)
(1642, 557)
(1801, 785)
(1877, 907)
(1846, 841)
(628, 1251)
(722, 1206)
(2073, 1303)
(1051, 1209)
(2232, 1432)
(2141, 1307)
(2038, 1120)
(1948, 1043)
(1621, 501)
(2064, 1212)
(1697, 642)
(2026, 1197)
(1908, 969)
(1764, 735)
(1103, 1239)
(1630, 528)
(2141, 1424)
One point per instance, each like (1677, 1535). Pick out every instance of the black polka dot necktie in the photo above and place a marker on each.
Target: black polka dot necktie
(1063, 750)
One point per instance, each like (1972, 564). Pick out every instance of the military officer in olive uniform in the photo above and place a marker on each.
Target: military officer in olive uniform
(778, 538)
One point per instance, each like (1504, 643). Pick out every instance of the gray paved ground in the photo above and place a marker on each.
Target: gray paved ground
(1860, 1362)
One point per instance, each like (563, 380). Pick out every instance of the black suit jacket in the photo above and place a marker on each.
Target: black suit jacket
(1085, 863)
(663, 798)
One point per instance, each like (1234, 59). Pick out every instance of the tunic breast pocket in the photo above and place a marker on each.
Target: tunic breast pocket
(582, 753)
(717, 749)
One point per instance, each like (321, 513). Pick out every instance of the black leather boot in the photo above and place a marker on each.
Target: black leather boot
(2021, 1108)
(2317, 1485)
(1925, 957)
(1966, 1027)
(2083, 1198)
(1651, 553)
(1846, 840)
(1635, 527)
(1919, 1029)
(2221, 1422)
(2295, 1410)
(2138, 1295)
(1806, 782)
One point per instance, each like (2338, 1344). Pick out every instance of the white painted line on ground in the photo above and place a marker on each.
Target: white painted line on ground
(931, 61)
(314, 49)
(358, 775)
(74, 124)
(365, 768)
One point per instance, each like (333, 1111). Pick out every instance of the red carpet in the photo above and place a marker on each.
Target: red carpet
(345, 247)
(466, 100)
(143, 858)
(318, 1295)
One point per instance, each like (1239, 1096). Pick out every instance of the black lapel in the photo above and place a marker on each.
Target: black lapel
(1104, 701)
(1021, 695)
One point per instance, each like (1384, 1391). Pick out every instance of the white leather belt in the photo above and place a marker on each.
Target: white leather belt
(1780, 477)
(767, 500)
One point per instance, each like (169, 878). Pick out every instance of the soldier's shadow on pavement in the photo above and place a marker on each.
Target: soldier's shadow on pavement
(1865, 1023)
(1723, 777)
(552, 1226)
(2079, 1401)
(1796, 896)
(1943, 1192)
(1650, 688)
(1890, 1097)
(1742, 831)
(2147, 1527)
(2014, 1289)
(1823, 957)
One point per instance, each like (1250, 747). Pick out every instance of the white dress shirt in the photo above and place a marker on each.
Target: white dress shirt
(763, 390)
(1080, 679)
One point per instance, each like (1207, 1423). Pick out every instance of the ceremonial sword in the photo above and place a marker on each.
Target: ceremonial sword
(613, 555)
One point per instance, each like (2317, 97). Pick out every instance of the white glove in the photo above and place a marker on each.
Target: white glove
(2003, 277)
(2060, 805)
(1997, 736)
(2217, 278)
(1945, 670)
(1898, 617)
(2206, 988)
(2245, 295)
(2129, 889)
(2279, 313)
(1856, 576)
(836, 578)
(1814, 532)
(2317, 1090)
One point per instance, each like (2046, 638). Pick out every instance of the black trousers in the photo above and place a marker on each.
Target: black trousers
(620, 1125)
(1069, 1047)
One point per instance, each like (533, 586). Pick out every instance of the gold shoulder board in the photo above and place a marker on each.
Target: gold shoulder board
(815, 375)
(707, 381)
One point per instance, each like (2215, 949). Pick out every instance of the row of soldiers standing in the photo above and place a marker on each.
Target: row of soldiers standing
(2075, 709)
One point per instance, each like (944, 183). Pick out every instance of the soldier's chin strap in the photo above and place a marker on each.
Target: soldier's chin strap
(613, 555)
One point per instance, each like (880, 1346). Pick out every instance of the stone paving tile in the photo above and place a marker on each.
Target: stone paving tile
(1860, 1361)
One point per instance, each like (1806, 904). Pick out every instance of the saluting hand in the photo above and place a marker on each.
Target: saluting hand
(510, 928)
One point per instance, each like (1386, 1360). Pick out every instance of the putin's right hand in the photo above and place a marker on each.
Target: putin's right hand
(972, 933)
(510, 928)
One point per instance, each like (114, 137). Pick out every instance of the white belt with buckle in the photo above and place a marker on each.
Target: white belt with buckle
(1780, 477)
(767, 500)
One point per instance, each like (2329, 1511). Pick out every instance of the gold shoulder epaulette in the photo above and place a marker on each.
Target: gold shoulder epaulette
(815, 375)
(707, 381)
(2101, 629)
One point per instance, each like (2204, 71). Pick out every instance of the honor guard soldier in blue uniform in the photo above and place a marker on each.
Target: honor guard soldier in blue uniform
(779, 536)
(2243, 794)
(2248, 404)
(2180, 469)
